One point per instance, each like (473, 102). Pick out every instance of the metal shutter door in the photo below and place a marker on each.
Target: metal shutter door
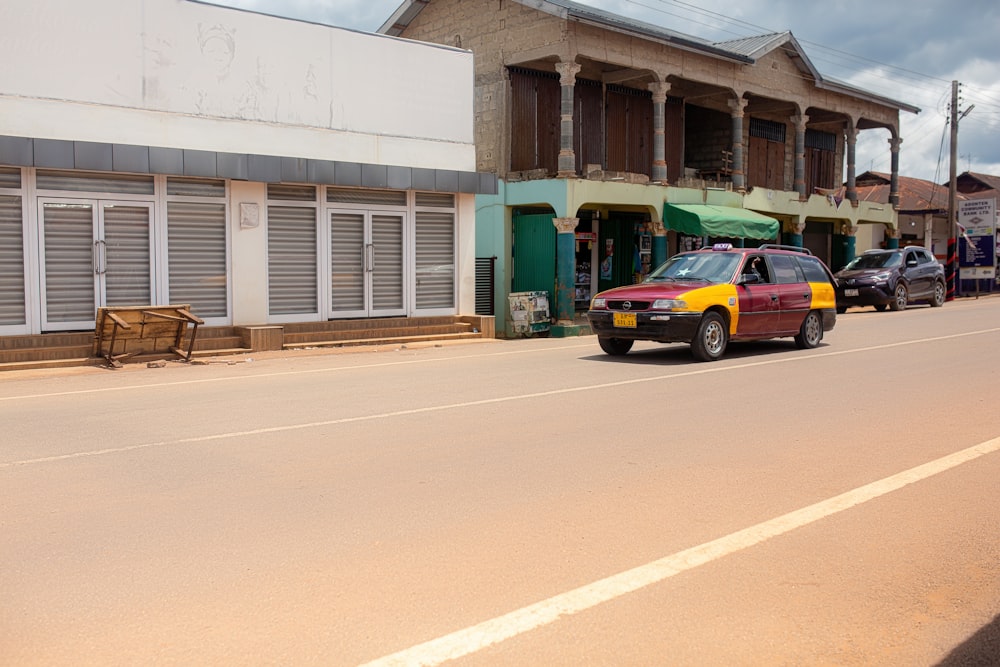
(196, 255)
(69, 262)
(291, 261)
(435, 248)
(387, 264)
(126, 235)
(347, 246)
(11, 262)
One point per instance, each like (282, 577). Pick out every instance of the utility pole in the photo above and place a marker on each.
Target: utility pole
(954, 286)
(954, 282)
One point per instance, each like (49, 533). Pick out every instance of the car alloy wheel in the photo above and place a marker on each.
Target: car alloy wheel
(899, 297)
(939, 294)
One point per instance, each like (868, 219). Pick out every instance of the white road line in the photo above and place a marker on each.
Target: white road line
(701, 369)
(496, 630)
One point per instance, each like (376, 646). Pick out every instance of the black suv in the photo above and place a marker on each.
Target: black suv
(893, 278)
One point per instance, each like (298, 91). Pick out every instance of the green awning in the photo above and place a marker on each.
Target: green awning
(725, 221)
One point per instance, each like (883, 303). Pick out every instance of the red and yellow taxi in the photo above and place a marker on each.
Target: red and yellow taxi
(720, 294)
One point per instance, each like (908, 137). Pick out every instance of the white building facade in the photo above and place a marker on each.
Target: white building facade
(260, 169)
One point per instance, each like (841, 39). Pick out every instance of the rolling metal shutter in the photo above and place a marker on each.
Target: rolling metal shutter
(126, 235)
(387, 262)
(11, 262)
(291, 261)
(435, 250)
(347, 247)
(196, 256)
(69, 262)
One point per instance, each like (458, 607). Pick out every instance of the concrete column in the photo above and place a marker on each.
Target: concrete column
(738, 106)
(564, 305)
(793, 236)
(850, 243)
(659, 250)
(567, 82)
(894, 179)
(659, 91)
(852, 147)
(929, 231)
(892, 235)
(799, 183)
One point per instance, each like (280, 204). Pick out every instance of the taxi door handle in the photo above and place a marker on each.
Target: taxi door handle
(774, 297)
(805, 295)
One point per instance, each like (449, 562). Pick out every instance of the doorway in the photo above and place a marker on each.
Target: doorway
(93, 253)
(366, 262)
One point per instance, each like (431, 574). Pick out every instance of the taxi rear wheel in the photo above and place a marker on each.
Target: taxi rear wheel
(811, 331)
(614, 346)
(709, 343)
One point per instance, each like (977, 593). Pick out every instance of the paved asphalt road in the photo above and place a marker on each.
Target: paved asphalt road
(530, 502)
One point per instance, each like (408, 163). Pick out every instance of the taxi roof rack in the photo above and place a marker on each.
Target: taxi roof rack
(778, 246)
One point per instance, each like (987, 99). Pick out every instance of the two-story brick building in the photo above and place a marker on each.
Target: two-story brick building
(618, 142)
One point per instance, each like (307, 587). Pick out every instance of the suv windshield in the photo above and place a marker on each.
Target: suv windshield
(876, 260)
(713, 267)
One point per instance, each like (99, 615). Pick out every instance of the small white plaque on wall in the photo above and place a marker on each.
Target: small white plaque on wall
(249, 215)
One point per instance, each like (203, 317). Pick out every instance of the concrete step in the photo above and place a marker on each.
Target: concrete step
(385, 340)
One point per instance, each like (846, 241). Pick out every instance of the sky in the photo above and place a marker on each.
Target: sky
(907, 50)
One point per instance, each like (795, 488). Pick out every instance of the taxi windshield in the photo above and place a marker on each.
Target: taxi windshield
(712, 267)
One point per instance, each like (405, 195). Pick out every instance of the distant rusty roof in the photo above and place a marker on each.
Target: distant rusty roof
(915, 195)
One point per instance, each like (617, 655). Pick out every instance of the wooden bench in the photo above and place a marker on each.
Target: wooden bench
(130, 330)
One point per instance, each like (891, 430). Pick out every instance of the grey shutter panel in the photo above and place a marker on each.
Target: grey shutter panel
(435, 250)
(387, 271)
(347, 246)
(126, 236)
(11, 262)
(291, 261)
(196, 255)
(69, 262)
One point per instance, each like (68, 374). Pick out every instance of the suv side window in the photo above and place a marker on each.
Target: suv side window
(786, 269)
(813, 270)
(922, 256)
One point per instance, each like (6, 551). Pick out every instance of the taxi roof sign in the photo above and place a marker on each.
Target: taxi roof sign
(722, 246)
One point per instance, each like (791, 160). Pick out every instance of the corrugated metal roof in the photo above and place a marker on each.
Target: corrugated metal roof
(756, 44)
(915, 195)
(986, 181)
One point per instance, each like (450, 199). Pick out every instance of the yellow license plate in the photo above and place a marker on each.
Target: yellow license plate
(626, 320)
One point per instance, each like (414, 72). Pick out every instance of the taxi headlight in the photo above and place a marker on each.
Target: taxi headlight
(598, 302)
(669, 304)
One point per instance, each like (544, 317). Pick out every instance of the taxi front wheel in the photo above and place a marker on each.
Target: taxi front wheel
(710, 341)
(614, 346)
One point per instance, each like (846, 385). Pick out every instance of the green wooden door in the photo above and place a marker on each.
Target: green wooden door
(534, 262)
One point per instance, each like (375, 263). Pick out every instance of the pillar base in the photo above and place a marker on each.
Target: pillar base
(570, 330)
